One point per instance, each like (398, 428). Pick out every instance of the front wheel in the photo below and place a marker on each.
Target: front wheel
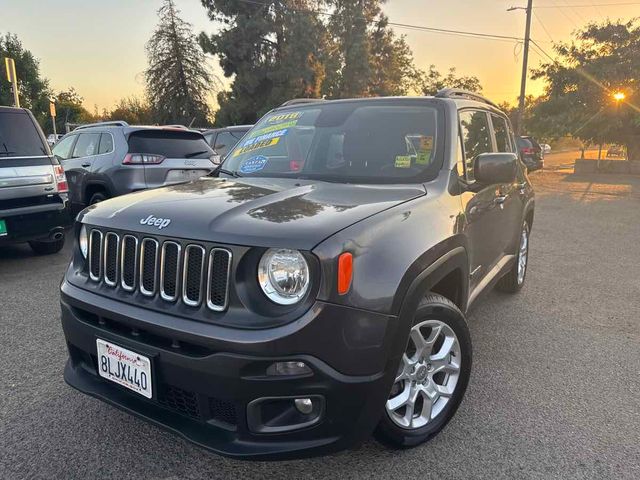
(432, 377)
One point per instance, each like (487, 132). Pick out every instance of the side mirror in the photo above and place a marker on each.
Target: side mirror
(490, 168)
(216, 159)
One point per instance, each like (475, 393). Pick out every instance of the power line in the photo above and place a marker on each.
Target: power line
(445, 31)
(543, 27)
(588, 5)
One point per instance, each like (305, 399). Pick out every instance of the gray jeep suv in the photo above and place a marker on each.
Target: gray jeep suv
(315, 291)
(108, 159)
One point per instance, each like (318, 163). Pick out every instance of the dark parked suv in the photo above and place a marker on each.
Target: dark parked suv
(531, 153)
(314, 292)
(34, 206)
(222, 140)
(104, 160)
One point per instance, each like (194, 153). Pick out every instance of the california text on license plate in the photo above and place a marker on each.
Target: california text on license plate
(122, 366)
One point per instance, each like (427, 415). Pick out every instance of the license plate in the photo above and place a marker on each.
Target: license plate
(184, 175)
(3, 228)
(124, 367)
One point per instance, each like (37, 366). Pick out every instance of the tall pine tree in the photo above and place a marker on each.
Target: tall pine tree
(274, 50)
(177, 79)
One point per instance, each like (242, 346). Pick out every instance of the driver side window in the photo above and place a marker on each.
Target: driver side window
(476, 137)
(62, 150)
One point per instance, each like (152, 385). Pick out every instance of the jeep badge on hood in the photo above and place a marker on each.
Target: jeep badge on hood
(155, 222)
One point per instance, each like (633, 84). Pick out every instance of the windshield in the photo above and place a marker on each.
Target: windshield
(376, 142)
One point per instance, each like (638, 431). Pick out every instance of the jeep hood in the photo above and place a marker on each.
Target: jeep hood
(249, 211)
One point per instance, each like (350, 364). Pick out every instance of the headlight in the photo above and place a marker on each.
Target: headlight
(283, 275)
(83, 241)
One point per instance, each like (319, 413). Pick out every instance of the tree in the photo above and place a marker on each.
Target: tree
(33, 90)
(273, 52)
(433, 80)
(177, 79)
(603, 58)
(69, 109)
(132, 110)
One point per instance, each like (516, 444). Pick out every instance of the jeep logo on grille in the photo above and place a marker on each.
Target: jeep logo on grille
(155, 222)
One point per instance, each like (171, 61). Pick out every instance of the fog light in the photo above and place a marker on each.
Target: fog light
(288, 368)
(304, 405)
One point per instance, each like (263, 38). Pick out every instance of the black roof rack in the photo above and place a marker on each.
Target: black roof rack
(459, 93)
(300, 101)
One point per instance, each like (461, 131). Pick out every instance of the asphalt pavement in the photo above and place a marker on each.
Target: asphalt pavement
(554, 393)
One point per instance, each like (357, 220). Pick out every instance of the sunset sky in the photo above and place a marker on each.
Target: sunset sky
(98, 46)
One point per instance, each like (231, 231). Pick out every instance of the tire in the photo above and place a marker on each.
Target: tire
(98, 197)
(512, 282)
(433, 311)
(47, 248)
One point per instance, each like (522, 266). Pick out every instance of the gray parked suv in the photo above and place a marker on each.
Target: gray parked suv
(108, 159)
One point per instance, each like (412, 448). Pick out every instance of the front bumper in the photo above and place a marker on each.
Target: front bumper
(204, 387)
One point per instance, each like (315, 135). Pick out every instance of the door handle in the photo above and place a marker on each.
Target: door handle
(500, 199)
(522, 186)
(86, 165)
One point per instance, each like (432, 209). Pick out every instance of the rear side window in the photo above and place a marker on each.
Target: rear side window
(502, 132)
(225, 142)
(86, 145)
(19, 137)
(476, 137)
(62, 150)
(106, 143)
(170, 144)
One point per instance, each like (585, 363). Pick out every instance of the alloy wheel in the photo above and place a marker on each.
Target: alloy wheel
(427, 376)
(523, 254)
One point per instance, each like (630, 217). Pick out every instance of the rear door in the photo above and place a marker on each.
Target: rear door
(78, 165)
(26, 170)
(170, 155)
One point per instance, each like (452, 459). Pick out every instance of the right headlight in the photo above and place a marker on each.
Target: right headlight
(283, 275)
(83, 241)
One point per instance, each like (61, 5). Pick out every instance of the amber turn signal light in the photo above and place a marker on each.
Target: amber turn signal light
(345, 272)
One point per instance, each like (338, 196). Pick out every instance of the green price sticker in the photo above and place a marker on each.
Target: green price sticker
(3, 228)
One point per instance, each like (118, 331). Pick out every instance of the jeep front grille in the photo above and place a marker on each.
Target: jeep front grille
(190, 274)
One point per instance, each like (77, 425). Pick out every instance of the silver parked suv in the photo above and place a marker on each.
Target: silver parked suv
(108, 159)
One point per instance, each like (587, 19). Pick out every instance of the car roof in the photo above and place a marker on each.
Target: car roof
(230, 128)
(13, 109)
(459, 102)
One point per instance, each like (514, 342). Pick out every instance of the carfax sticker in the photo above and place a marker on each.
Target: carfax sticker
(254, 164)
(256, 146)
(403, 161)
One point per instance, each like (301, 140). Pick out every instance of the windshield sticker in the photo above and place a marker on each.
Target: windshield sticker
(273, 128)
(254, 164)
(423, 158)
(266, 136)
(426, 143)
(403, 161)
(283, 117)
(256, 146)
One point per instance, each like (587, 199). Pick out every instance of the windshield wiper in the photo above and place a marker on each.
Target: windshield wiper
(228, 172)
(193, 154)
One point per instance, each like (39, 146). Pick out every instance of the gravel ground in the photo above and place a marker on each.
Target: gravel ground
(555, 390)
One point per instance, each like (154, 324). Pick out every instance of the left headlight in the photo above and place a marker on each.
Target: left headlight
(283, 275)
(83, 241)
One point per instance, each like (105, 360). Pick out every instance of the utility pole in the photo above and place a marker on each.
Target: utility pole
(525, 60)
(10, 66)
